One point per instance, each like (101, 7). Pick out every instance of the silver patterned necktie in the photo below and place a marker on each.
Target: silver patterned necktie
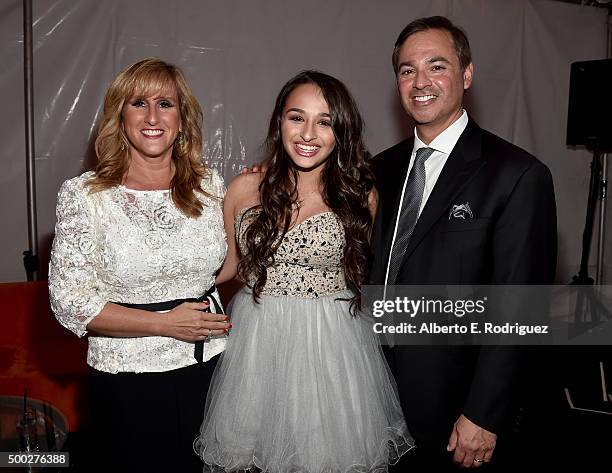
(409, 213)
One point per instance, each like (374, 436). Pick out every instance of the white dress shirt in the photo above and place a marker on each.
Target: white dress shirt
(442, 145)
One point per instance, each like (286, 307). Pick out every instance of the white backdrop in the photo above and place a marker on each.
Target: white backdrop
(238, 53)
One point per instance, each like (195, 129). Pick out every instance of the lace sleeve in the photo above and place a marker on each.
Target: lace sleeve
(73, 287)
(214, 184)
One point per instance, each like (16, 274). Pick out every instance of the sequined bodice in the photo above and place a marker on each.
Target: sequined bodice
(308, 261)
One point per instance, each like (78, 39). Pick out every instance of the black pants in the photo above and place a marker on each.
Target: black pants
(147, 421)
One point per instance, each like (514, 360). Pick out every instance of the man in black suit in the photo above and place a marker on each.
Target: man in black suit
(485, 214)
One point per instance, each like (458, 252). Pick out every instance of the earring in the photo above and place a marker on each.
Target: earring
(180, 139)
(123, 147)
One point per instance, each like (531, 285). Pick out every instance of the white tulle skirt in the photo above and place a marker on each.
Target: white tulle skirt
(301, 387)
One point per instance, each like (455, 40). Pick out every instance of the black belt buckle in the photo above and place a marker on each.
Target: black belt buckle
(198, 352)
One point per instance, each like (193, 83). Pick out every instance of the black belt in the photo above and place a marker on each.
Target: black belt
(169, 305)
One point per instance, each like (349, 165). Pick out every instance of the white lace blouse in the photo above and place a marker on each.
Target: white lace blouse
(123, 245)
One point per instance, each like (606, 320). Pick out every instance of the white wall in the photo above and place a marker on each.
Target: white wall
(237, 54)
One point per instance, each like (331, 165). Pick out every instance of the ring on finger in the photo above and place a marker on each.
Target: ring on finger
(476, 460)
(208, 336)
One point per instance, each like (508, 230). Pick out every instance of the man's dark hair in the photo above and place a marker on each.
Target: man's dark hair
(462, 45)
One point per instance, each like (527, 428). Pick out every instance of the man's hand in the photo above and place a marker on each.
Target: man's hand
(472, 444)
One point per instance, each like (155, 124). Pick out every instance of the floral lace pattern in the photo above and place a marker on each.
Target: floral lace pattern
(132, 246)
(308, 262)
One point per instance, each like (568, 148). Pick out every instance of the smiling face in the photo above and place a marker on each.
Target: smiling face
(306, 128)
(431, 82)
(152, 124)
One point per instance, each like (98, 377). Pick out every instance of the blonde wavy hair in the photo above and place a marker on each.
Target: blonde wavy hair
(143, 79)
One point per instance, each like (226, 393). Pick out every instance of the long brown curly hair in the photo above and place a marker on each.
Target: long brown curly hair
(346, 182)
(142, 79)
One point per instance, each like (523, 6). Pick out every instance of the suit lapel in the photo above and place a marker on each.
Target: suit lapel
(461, 166)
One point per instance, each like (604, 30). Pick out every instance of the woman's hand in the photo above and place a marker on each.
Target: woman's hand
(188, 323)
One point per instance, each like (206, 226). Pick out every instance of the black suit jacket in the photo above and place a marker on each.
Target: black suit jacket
(511, 239)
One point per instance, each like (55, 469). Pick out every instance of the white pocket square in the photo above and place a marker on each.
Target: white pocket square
(462, 211)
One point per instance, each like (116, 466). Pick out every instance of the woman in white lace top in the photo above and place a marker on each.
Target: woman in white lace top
(137, 245)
